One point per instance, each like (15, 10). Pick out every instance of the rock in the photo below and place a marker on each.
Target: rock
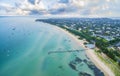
(78, 60)
(84, 74)
(72, 66)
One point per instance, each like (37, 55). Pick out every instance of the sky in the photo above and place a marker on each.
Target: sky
(82, 8)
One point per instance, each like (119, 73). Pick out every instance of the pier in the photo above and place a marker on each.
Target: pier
(50, 52)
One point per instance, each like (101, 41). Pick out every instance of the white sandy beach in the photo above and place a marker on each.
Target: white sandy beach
(91, 54)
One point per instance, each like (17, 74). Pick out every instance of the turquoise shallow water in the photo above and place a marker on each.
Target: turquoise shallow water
(25, 46)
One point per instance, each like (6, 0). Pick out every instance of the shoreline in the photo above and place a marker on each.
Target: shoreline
(90, 53)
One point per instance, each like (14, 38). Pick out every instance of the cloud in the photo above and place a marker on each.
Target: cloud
(61, 7)
(6, 8)
(32, 1)
(63, 1)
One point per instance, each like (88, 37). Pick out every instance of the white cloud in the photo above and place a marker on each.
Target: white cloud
(62, 7)
(78, 3)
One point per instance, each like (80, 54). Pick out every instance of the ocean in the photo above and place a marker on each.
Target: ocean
(29, 48)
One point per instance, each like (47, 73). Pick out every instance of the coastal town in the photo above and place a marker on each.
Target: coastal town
(108, 29)
(101, 34)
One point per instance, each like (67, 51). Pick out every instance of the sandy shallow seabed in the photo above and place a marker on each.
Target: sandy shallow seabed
(91, 54)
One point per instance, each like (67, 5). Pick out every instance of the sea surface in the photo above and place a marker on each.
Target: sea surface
(29, 48)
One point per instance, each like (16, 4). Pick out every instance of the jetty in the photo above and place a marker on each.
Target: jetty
(66, 51)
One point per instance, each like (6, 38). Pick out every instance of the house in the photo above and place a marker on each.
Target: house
(118, 46)
(91, 46)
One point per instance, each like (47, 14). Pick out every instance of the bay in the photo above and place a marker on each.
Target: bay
(25, 47)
